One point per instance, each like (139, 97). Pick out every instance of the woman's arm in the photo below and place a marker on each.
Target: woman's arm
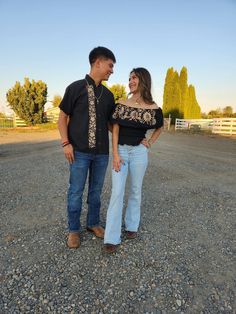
(155, 134)
(110, 127)
(116, 158)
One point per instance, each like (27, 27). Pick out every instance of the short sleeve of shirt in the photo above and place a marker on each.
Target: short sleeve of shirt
(113, 104)
(159, 119)
(114, 114)
(66, 104)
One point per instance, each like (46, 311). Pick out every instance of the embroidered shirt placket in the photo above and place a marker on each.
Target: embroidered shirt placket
(92, 117)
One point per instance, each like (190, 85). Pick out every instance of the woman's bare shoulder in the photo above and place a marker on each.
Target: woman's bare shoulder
(152, 106)
(123, 101)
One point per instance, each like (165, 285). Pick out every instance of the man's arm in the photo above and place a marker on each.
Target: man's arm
(63, 130)
(63, 126)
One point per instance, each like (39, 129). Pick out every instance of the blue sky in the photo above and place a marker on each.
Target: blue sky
(50, 41)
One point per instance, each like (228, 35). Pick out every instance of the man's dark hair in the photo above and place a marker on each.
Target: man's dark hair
(101, 52)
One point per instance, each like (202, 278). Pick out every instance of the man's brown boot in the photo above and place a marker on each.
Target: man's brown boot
(98, 231)
(73, 241)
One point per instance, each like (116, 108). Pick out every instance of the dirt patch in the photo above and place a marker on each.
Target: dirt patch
(27, 135)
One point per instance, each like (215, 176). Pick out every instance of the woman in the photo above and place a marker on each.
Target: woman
(131, 119)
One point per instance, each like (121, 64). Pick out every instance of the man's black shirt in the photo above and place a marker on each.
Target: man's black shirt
(75, 105)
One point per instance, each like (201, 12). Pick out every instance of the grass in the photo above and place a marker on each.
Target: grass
(6, 125)
(36, 128)
(47, 126)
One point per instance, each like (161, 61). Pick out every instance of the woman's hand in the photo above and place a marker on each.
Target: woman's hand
(117, 161)
(69, 153)
(145, 143)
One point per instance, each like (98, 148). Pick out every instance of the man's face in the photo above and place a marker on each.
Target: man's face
(105, 67)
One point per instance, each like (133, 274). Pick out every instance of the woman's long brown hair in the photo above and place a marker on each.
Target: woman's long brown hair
(145, 84)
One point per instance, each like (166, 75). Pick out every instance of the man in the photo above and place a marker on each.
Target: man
(83, 126)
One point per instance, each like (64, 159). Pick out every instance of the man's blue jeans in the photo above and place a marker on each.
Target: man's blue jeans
(96, 165)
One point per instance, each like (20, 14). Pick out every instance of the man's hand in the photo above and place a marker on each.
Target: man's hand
(69, 153)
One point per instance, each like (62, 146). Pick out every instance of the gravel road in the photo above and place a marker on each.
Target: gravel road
(182, 262)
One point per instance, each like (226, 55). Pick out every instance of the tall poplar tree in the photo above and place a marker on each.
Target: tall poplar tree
(192, 110)
(183, 82)
(176, 97)
(168, 89)
(179, 99)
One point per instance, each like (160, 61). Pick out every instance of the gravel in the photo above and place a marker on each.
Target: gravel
(183, 260)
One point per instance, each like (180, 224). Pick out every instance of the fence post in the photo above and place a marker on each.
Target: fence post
(231, 128)
(176, 120)
(169, 122)
(14, 120)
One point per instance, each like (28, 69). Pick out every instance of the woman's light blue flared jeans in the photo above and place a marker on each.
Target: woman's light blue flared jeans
(135, 160)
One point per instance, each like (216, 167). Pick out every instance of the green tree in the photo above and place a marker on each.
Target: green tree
(28, 100)
(192, 109)
(179, 99)
(228, 111)
(56, 100)
(105, 84)
(183, 82)
(118, 91)
(217, 113)
(2, 115)
(172, 95)
(204, 115)
(168, 92)
(176, 101)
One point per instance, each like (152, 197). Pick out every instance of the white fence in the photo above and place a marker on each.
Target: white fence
(167, 122)
(17, 122)
(218, 125)
(224, 126)
(183, 124)
(53, 114)
(6, 122)
(12, 122)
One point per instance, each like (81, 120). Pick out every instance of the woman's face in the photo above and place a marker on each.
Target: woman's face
(133, 83)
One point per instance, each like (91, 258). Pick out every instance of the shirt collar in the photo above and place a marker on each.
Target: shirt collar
(91, 81)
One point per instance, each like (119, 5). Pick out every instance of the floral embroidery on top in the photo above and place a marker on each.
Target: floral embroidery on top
(145, 116)
(92, 117)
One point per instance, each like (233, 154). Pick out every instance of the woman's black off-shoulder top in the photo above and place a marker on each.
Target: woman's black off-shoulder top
(134, 122)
